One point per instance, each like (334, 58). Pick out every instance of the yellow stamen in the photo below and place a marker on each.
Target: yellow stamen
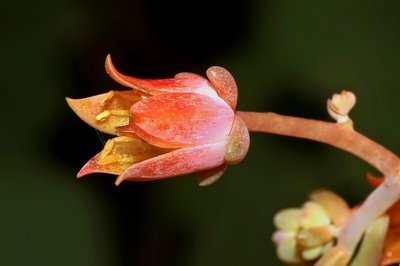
(107, 113)
(103, 115)
(123, 139)
(119, 112)
(122, 152)
(107, 149)
(107, 159)
(108, 97)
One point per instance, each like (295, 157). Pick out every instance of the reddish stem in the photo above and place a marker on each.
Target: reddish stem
(344, 137)
(341, 136)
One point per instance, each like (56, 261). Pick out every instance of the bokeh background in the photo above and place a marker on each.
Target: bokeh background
(287, 57)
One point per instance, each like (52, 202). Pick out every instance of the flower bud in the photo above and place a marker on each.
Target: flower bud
(340, 105)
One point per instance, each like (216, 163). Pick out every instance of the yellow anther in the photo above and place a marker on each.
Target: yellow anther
(119, 112)
(128, 159)
(123, 139)
(107, 149)
(108, 97)
(107, 113)
(107, 160)
(103, 115)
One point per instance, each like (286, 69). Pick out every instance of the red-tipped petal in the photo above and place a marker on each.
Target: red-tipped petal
(176, 163)
(176, 120)
(118, 154)
(183, 82)
(209, 177)
(89, 168)
(112, 106)
(224, 84)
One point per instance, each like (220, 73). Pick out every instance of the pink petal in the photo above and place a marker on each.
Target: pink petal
(177, 120)
(224, 84)
(183, 82)
(91, 167)
(176, 163)
(188, 75)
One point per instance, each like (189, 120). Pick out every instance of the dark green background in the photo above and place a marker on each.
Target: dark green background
(287, 57)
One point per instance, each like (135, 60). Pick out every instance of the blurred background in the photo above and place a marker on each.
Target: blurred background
(287, 57)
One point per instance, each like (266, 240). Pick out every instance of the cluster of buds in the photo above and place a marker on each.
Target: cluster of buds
(305, 233)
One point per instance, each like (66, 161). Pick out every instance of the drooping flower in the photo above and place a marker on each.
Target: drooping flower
(166, 127)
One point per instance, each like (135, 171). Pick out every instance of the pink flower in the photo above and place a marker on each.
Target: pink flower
(166, 127)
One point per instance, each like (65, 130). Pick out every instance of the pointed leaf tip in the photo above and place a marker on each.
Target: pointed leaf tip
(119, 180)
(87, 169)
(119, 77)
(183, 82)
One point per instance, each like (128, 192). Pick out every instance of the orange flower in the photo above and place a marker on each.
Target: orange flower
(166, 127)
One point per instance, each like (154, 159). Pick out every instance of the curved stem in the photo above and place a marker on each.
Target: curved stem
(343, 137)
(381, 199)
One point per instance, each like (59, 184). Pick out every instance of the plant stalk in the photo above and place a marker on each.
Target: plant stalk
(342, 136)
